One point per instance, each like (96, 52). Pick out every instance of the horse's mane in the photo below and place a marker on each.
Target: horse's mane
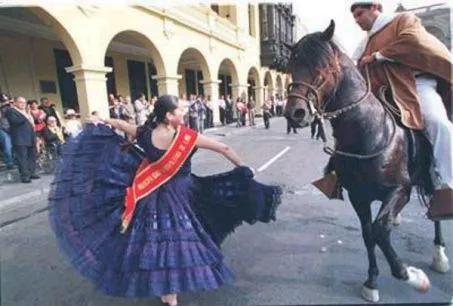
(313, 52)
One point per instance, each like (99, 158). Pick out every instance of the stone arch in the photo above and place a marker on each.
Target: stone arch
(279, 85)
(254, 84)
(141, 73)
(268, 85)
(46, 28)
(68, 41)
(253, 79)
(228, 76)
(287, 82)
(194, 60)
(144, 41)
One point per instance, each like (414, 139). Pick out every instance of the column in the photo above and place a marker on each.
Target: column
(259, 96)
(91, 89)
(211, 88)
(167, 84)
(239, 91)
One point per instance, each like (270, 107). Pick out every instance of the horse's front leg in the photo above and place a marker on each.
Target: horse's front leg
(370, 290)
(440, 260)
(381, 231)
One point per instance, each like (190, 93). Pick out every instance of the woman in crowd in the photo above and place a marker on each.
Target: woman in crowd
(53, 136)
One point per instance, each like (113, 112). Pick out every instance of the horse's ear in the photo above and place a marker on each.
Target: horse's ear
(328, 33)
(289, 46)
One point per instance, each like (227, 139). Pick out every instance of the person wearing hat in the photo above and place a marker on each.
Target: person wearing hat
(73, 126)
(417, 67)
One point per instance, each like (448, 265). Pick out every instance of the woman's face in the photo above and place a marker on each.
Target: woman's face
(176, 117)
(34, 106)
(51, 122)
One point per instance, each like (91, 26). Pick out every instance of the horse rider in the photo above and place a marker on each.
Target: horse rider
(417, 67)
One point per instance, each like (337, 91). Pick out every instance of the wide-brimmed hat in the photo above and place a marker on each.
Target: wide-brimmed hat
(70, 112)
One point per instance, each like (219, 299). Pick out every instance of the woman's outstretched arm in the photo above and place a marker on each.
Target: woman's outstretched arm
(130, 129)
(219, 147)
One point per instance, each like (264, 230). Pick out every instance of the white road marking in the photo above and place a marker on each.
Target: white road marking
(273, 159)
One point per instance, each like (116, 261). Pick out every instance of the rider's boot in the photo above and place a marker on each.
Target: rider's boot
(441, 206)
(330, 186)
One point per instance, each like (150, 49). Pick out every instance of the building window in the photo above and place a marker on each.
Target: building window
(264, 23)
(251, 20)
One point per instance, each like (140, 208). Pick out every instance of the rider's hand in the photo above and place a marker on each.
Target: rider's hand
(368, 59)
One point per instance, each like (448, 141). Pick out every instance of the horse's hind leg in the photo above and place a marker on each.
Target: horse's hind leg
(381, 231)
(370, 290)
(440, 260)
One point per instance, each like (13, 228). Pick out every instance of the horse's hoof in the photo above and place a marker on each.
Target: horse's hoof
(440, 260)
(370, 295)
(397, 220)
(418, 279)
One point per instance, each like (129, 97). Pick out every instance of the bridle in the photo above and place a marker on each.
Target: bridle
(313, 93)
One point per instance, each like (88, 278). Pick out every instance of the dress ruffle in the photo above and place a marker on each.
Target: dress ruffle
(172, 243)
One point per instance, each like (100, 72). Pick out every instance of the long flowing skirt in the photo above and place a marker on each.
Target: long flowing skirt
(173, 242)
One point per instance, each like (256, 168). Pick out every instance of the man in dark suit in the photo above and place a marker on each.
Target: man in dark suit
(23, 139)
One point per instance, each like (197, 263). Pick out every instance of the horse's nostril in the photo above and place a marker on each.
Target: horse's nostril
(299, 114)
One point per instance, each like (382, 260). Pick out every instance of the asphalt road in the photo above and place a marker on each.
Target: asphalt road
(313, 254)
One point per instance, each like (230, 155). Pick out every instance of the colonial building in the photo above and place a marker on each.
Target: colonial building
(77, 54)
(437, 20)
(277, 25)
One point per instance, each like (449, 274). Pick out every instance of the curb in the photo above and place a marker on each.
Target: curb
(37, 194)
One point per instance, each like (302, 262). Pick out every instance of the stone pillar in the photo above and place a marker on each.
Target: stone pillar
(259, 96)
(168, 84)
(239, 91)
(211, 88)
(270, 93)
(91, 89)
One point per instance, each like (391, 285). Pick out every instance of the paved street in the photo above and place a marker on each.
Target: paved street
(313, 254)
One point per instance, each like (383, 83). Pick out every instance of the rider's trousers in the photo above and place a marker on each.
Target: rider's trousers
(439, 130)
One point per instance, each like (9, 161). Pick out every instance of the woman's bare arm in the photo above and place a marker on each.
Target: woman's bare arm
(219, 147)
(130, 129)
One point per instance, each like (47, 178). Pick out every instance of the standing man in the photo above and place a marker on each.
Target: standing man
(401, 54)
(251, 105)
(50, 109)
(23, 138)
(222, 110)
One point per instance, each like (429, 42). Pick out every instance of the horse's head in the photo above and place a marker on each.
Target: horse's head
(315, 69)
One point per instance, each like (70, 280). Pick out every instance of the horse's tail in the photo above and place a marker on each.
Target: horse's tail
(423, 161)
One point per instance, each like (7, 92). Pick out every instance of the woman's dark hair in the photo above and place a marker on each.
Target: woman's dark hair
(163, 105)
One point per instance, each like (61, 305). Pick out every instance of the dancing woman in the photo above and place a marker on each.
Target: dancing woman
(136, 221)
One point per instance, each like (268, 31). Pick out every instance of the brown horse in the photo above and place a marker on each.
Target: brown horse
(374, 157)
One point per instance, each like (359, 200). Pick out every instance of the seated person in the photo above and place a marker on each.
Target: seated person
(53, 135)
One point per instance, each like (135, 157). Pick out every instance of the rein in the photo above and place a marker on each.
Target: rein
(312, 90)
(332, 115)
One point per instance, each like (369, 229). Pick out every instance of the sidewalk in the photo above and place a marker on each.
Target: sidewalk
(13, 192)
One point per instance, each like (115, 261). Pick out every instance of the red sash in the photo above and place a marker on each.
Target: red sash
(149, 177)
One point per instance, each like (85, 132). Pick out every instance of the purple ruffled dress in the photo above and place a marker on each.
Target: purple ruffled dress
(173, 242)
